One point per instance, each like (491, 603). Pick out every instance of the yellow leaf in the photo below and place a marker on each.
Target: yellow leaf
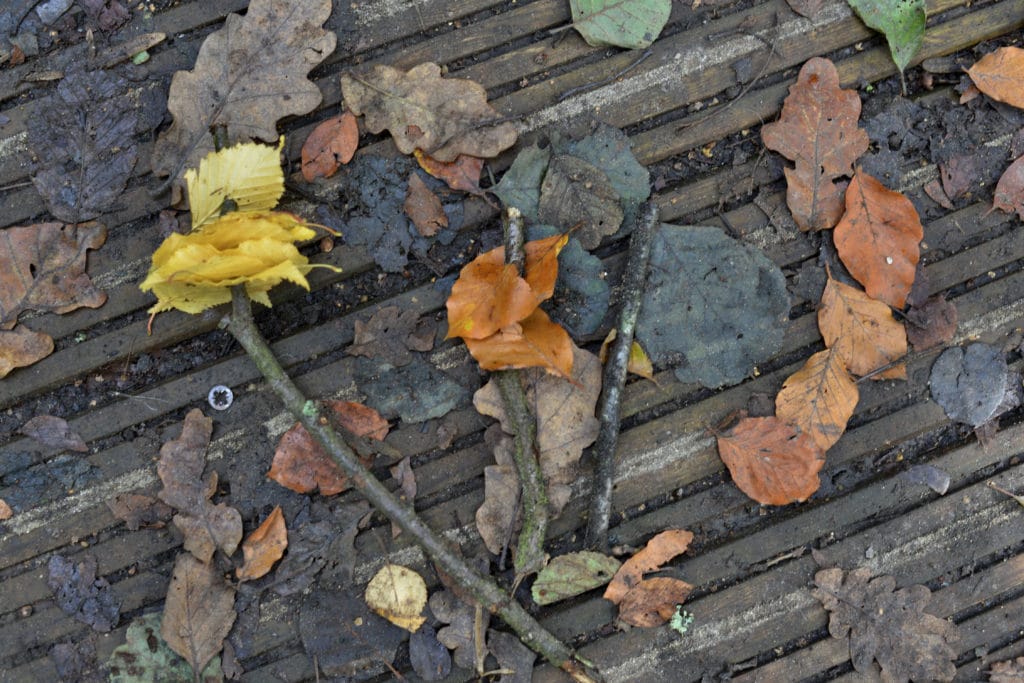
(639, 363)
(248, 174)
(399, 595)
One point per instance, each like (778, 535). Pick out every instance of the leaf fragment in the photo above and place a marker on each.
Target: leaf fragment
(332, 144)
(862, 330)
(998, 75)
(263, 547)
(819, 398)
(652, 602)
(623, 23)
(1009, 192)
(399, 595)
(576, 191)
(53, 432)
(424, 208)
(461, 174)
(198, 612)
(572, 574)
(659, 550)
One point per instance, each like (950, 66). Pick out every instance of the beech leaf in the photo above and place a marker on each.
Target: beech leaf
(461, 174)
(424, 208)
(659, 550)
(1009, 193)
(399, 595)
(623, 23)
(520, 186)
(573, 574)
(332, 143)
(535, 342)
(862, 331)
(652, 602)
(198, 612)
(819, 398)
(998, 75)
(249, 174)
(263, 547)
(902, 22)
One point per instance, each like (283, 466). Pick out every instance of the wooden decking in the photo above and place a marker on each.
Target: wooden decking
(754, 617)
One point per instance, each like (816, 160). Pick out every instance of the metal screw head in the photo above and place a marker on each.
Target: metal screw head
(220, 397)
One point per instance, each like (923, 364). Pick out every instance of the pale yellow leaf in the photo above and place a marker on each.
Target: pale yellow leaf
(248, 174)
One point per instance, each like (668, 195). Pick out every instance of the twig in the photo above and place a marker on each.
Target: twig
(609, 405)
(483, 589)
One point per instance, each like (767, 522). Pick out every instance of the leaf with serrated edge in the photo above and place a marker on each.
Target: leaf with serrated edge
(862, 330)
(819, 398)
(248, 174)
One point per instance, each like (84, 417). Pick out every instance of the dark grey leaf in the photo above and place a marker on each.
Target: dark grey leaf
(429, 658)
(520, 186)
(53, 432)
(511, 655)
(576, 191)
(970, 383)
(609, 149)
(415, 392)
(81, 595)
(582, 294)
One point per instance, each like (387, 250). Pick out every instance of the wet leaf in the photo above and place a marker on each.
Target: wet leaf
(53, 432)
(887, 625)
(414, 393)
(198, 612)
(771, 461)
(862, 331)
(713, 307)
(819, 398)
(248, 174)
(399, 595)
(137, 511)
(512, 656)
(535, 342)
(331, 144)
(245, 82)
(77, 661)
(389, 335)
(263, 547)
(428, 657)
(42, 268)
(638, 362)
(325, 540)
(878, 239)
(573, 574)
(5, 510)
(461, 174)
(999, 73)
(346, 638)
(623, 23)
(653, 601)
(461, 633)
(610, 150)
(444, 117)
(659, 550)
(520, 186)
(902, 23)
(818, 131)
(1009, 193)
(1010, 671)
(81, 594)
(424, 208)
(933, 324)
(146, 658)
(970, 383)
(576, 191)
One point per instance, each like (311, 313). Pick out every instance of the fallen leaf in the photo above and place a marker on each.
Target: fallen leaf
(938, 195)
(959, 174)
(806, 8)
(514, 659)
(771, 461)
(970, 383)
(903, 24)
(862, 330)
(263, 547)
(399, 595)
(424, 208)
(581, 297)
(42, 268)
(639, 363)
(818, 131)
(659, 550)
(1010, 671)
(535, 342)
(569, 575)
(347, 639)
(932, 324)
(461, 174)
(244, 82)
(652, 602)
(998, 75)
(462, 633)
(5, 511)
(145, 657)
(887, 625)
(389, 335)
(105, 15)
(444, 117)
(496, 524)
(575, 191)
(77, 661)
(878, 239)
(406, 478)
(428, 657)
(819, 398)
(81, 594)
(610, 150)
(137, 511)
(248, 174)
(53, 432)
(198, 612)
(413, 393)
(1009, 193)
(327, 538)
(520, 186)
(330, 145)
(623, 23)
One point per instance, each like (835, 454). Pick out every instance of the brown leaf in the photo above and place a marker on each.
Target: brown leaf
(406, 478)
(424, 208)
(1010, 671)
(862, 330)
(444, 117)
(388, 335)
(1009, 194)
(806, 8)
(938, 195)
(198, 612)
(535, 342)
(331, 144)
(264, 547)
(999, 75)
(5, 510)
(137, 510)
(657, 552)
(819, 398)
(461, 174)
(495, 518)
(245, 81)
(576, 191)
(53, 432)
(887, 625)
(463, 635)
(933, 324)
(771, 461)
(817, 130)
(21, 346)
(652, 602)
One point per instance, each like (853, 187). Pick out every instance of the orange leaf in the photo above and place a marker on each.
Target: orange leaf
(818, 131)
(1000, 74)
(264, 547)
(819, 398)
(878, 238)
(862, 331)
(424, 208)
(535, 342)
(461, 174)
(771, 461)
(652, 602)
(657, 552)
(542, 264)
(330, 145)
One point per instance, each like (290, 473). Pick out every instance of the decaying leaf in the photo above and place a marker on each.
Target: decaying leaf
(244, 82)
(399, 595)
(331, 144)
(610, 150)
(496, 524)
(145, 657)
(623, 23)
(877, 239)
(424, 208)
(1009, 192)
(573, 574)
(520, 186)
(970, 384)
(444, 117)
(902, 23)
(887, 625)
(428, 656)
(818, 131)
(1010, 671)
(932, 324)
(659, 550)
(461, 174)
(406, 478)
(390, 334)
(652, 602)
(998, 75)
(5, 511)
(53, 432)
(248, 174)
(42, 268)
(513, 657)
(463, 634)
(264, 546)
(819, 398)
(771, 461)
(575, 191)
(347, 639)
(81, 594)
(198, 612)
(137, 511)
(862, 330)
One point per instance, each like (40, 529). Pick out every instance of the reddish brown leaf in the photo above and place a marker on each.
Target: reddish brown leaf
(771, 461)
(21, 346)
(862, 330)
(652, 602)
(878, 239)
(818, 131)
(5, 510)
(53, 432)
(933, 324)
(819, 398)
(1009, 195)
(423, 208)
(198, 612)
(535, 342)
(657, 552)
(461, 174)
(264, 547)
(999, 75)
(934, 190)
(331, 144)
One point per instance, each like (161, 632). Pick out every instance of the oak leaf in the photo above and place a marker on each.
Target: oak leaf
(198, 612)
(659, 550)
(424, 208)
(653, 601)
(819, 398)
(1009, 193)
(877, 239)
(331, 144)
(461, 174)
(263, 547)
(862, 330)
(818, 131)
(771, 461)
(999, 75)
(444, 117)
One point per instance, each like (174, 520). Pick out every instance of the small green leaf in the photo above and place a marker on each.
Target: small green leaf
(902, 22)
(625, 23)
(572, 574)
(146, 657)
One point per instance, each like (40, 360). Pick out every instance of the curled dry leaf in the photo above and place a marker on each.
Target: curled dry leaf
(862, 330)
(999, 73)
(53, 432)
(653, 601)
(818, 131)
(399, 595)
(461, 174)
(657, 552)
(424, 208)
(264, 547)
(198, 612)
(771, 461)
(819, 398)
(331, 144)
